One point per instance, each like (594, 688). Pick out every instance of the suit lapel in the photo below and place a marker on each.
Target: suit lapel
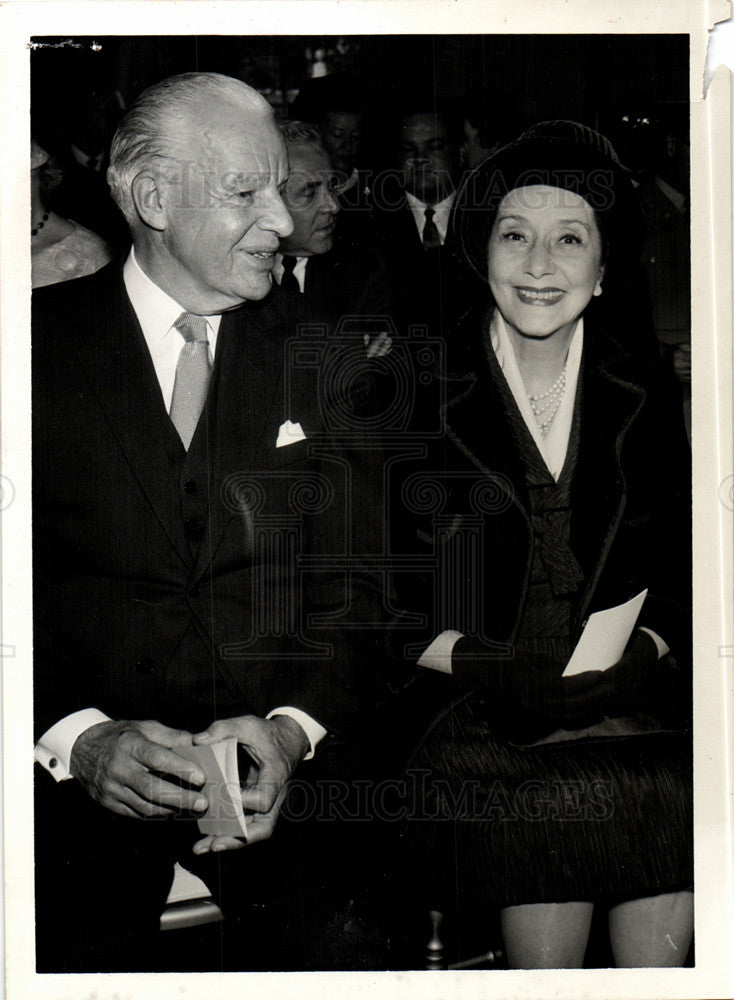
(113, 353)
(248, 378)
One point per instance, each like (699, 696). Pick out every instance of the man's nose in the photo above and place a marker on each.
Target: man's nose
(329, 203)
(276, 216)
(539, 261)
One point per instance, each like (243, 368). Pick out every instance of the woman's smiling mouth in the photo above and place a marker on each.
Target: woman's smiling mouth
(539, 296)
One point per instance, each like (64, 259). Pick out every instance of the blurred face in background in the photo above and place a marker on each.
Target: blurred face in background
(310, 196)
(342, 132)
(428, 157)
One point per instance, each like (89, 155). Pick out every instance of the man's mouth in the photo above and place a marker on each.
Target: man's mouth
(539, 296)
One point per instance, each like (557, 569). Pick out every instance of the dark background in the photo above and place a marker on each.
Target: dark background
(544, 76)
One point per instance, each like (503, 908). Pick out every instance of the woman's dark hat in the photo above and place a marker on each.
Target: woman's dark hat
(561, 154)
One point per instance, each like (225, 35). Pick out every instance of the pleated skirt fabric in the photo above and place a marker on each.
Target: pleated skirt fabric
(593, 818)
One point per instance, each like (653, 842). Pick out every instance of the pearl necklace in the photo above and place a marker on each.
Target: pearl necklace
(41, 224)
(545, 414)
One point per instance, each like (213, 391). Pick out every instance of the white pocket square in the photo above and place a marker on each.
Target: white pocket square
(288, 434)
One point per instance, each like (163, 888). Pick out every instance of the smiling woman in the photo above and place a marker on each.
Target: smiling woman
(544, 260)
(575, 439)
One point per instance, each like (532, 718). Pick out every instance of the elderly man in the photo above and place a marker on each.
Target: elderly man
(185, 532)
(336, 279)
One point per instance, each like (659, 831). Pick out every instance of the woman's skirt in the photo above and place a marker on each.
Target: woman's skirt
(581, 820)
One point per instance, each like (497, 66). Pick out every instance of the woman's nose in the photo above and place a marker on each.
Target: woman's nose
(539, 261)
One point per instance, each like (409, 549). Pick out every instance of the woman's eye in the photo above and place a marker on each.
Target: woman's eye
(571, 239)
(513, 236)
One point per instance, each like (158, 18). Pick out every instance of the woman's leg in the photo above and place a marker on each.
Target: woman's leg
(653, 932)
(546, 935)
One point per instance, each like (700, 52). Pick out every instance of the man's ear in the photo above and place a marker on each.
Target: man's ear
(149, 200)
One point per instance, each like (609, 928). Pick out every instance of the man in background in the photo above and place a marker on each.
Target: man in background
(339, 281)
(412, 217)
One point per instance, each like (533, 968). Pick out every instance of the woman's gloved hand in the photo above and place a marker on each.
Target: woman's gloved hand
(631, 685)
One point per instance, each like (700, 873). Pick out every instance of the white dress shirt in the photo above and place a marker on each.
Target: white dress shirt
(156, 312)
(442, 210)
(553, 448)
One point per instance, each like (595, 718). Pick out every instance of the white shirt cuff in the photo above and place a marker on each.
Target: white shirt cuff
(314, 732)
(53, 750)
(663, 647)
(438, 654)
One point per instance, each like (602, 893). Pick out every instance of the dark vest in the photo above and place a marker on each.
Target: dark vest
(204, 690)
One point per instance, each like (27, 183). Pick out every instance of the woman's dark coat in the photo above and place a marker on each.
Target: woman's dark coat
(461, 516)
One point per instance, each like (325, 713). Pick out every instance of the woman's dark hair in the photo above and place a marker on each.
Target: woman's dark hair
(560, 154)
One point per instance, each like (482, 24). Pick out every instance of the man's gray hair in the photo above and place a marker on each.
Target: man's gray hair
(150, 133)
(298, 133)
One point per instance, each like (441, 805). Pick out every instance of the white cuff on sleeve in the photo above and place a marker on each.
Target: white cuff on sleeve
(663, 647)
(53, 750)
(314, 732)
(438, 654)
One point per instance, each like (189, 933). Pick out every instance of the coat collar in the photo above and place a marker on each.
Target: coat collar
(476, 419)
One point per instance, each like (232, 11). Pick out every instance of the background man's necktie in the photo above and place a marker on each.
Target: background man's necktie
(289, 282)
(193, 372)
(431, 238)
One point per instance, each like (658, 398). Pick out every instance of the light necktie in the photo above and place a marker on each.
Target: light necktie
(289, 282)
(431, 238)
(193, 372)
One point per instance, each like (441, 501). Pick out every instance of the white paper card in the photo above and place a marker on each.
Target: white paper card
(225, 816)
(605, 637)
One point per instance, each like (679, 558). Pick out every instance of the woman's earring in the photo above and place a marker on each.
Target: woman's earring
(598, 288)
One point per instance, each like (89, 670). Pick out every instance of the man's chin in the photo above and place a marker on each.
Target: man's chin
(252, 292)
(428, 195)
(257, 289)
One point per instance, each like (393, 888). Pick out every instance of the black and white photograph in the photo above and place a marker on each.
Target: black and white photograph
(360, 531)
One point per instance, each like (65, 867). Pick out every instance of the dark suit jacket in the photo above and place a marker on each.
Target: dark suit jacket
(348, 281)
(431, 287)
(162, 577)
